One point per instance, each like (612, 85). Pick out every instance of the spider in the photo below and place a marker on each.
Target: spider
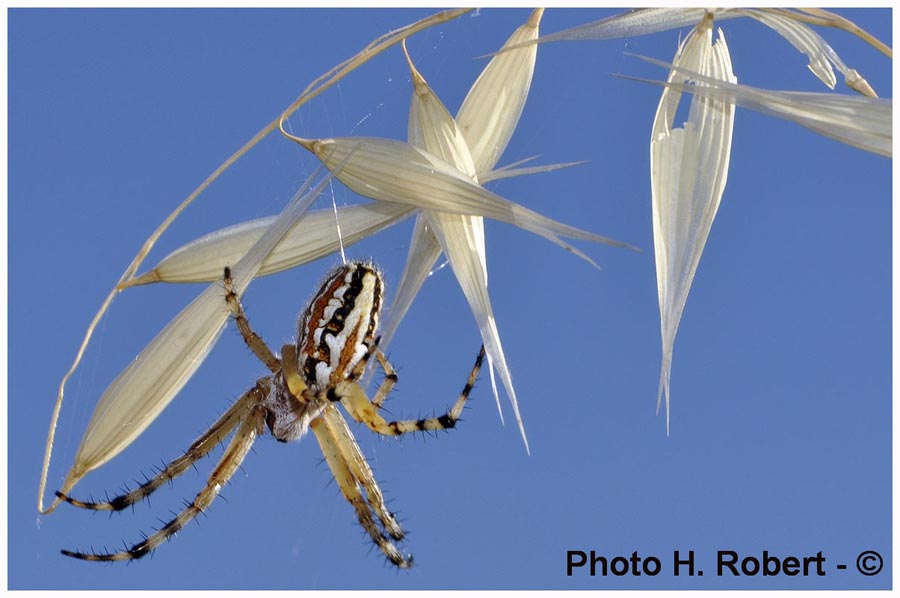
(336, 339)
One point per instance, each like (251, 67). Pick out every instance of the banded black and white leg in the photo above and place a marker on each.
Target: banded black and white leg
(201, 447)
(352, 396)
(244, 415)
(390, 379)
(250, 426)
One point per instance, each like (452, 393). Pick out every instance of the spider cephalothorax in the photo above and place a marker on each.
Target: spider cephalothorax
(335, 340)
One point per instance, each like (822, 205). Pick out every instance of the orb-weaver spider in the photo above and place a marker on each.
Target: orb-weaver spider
(336, 338)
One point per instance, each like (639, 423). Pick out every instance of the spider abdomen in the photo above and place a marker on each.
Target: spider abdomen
(337, 329)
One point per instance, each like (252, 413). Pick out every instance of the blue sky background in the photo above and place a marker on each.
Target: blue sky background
(781, 385)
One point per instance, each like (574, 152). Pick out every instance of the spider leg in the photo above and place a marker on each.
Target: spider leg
(200, 448)
(390, 375)
(290, 372)
(360, 469)
(253, 340)
(354, 399)
(390, 378)
(330, 443)
(250, 427)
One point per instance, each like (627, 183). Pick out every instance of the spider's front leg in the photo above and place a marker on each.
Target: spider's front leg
(353, 397)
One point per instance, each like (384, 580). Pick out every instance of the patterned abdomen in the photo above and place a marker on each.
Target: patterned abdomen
(339, 324)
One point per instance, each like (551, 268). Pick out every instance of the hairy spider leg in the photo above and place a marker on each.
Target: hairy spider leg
(199, 449)
(360, 469)
(390, 379)
(251, 425)
(353, 398)
(324, 430)
(253, 340)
